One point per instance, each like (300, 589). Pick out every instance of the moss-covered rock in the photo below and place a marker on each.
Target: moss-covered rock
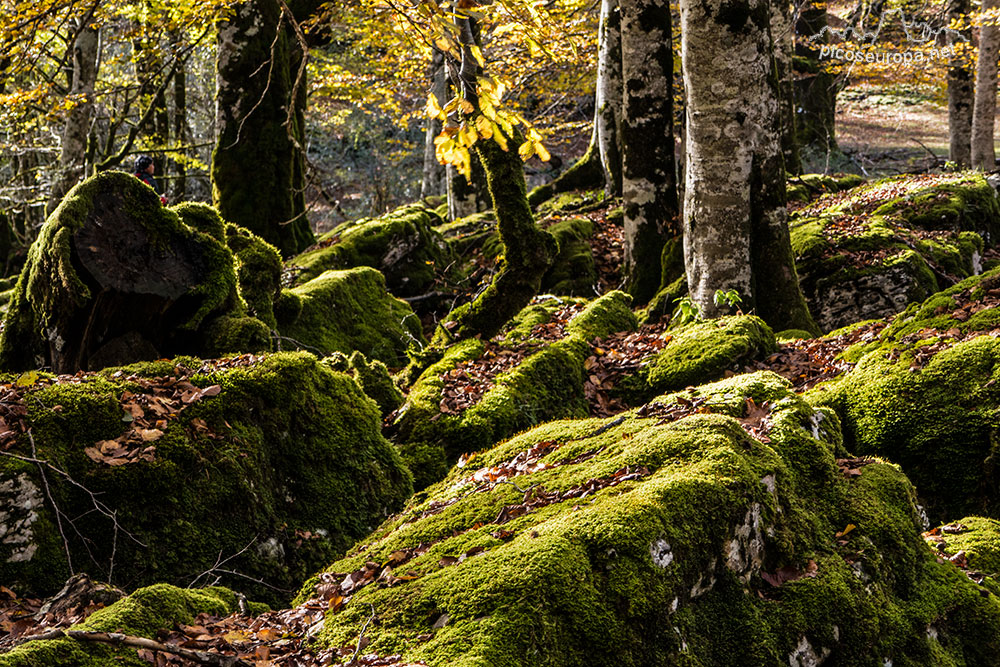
(401, 244)
(141, 614)
(869, 252)
(547, 384)
(202, 217)
(374, 379)
(258, 270)
(666, 541)
(978, 538)
(114, 277)
(281, 470)
(344, 311)
(700, 353)
(808, 186)
(573, 273)
(925, 394)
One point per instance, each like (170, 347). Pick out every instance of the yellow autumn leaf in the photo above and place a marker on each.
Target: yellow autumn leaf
(526, 150)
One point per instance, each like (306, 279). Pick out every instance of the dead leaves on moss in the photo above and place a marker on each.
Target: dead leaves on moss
(615, 357)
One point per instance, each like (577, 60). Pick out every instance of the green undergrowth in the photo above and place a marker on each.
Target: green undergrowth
(344, 311)
(808, 186)
(141, 614)
(548, 384)
(402, 244)
(279, 472)
(697, 544)
(873, 250)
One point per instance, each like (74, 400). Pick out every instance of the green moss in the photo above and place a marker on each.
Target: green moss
(233, 335)
(402, 245)
(667, 568)
(979, 538)
(573, 272)
(202, 217)
(700, 353)
(258, 269)
(54, 294)
(792, 334)
(142, 614)
(661, 307)
(548, 384)
(288, 447)
(375, 381)
(570, 202)
(351, 310)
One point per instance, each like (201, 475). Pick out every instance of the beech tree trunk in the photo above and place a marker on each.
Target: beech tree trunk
(257, 168)
(649, 185)
(782, 33)
(815, 88)
(735, 224)
(433, 183)
(180, 128)
(72, 158)
(528, 252)
(608, 99)
(983, 154)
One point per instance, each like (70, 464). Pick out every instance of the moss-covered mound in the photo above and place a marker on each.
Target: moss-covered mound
(142, 614)
(926, 394)
(870, 251)
(345, 311)
(677, 539)
(275, 463)
(973, 543)
(401, 244)
(114, 277)
(700, 353)
(808, 186)
(547, 382)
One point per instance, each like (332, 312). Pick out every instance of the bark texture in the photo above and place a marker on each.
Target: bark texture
(608, 98)
(433, 183)
(257, 168)
(815, 88)
(960, 91)
(782, 33)
(735, 224)
(648, 178)
(985, 104)
(72, 158)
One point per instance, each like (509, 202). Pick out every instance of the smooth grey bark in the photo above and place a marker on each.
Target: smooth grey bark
(782, 34)
(735, 222)
(72, 157)
(983, 154)
(960, 93)
(648, 173)
(608, 97)
(433, 183)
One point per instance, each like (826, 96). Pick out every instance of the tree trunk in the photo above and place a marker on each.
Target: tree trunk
(528, 252)
(782, 33)
(257, 169)
(815, 88)
(735, 226)
(433, 183)
(648, 178)
(72, 163)
(984, 107)
(608, 100)
(179, 186)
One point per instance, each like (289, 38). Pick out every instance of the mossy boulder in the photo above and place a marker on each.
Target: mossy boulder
(144, 613)
(345, 311)
(699, 353)
(926, 394)
(869, 252)
(401, 244)
(374, 379)
(977, 538)
(678, 540)
(547, 384)
(573, 273)
(808, 186)
(280, 467)
(258, 270)
(113, 278)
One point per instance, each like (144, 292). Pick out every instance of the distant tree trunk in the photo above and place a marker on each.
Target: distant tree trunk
(72, 163)
(735, 226)
(179, 185)
(960, 90)
(608, 100)
(649, 185)
(984, 107)
(782, 34)
(433, 183)
(815, 88)
(257, 169)
(528, 252)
